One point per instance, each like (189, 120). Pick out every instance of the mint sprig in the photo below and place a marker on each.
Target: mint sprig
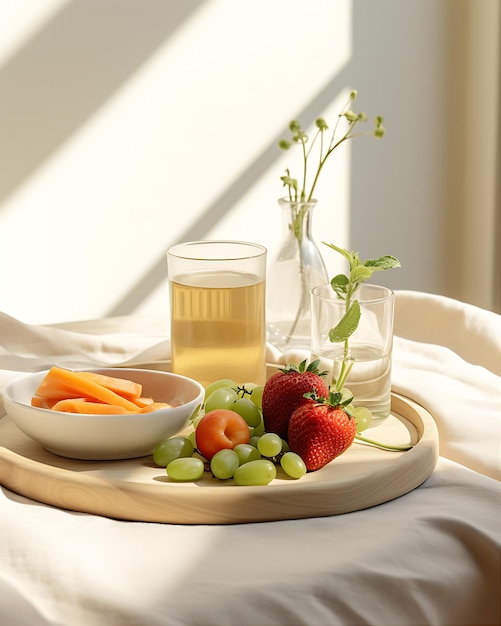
(345, 286)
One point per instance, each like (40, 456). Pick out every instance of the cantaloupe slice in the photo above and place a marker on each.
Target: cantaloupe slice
(154, 406)
(63, 384)
(81, 405)
(90, 392)
(42, 403)
(124, 387)
(143, 401)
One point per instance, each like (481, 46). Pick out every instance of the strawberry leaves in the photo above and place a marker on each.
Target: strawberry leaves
(304, 367)
(334, 399)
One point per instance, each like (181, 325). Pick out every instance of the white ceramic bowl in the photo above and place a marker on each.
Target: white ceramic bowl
(106, 437)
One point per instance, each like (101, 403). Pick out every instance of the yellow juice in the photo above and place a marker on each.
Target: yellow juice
(218, 327)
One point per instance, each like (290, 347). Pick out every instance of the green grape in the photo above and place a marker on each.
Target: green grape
(223, 398)
(197, 419)
(257, 396)
(246, 452)
(293, 465)
(218, 384)
(253, 440)
(197, 414)
(193, 438)
(224, 463)
(173, 448)
(248, 410)
(270, 444)
(363, 418)
(346, 394)
(246, 389)
(260, 472)
(285, 446)
(186, 469)
(258, 430)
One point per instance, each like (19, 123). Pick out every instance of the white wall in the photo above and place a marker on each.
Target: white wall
(126, 126)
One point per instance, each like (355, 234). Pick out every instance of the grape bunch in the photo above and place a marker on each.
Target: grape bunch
(229, 441)
(232, 437)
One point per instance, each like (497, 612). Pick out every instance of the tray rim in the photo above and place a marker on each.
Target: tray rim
(138, 501)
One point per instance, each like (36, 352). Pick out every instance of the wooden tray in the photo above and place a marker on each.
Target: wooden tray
(136, 489)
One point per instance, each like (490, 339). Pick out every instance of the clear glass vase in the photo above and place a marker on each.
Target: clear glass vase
(297, 268)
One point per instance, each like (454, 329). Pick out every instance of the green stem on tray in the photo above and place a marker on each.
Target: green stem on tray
(383, 445)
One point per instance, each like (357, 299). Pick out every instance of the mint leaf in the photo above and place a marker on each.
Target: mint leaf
(345, 287)
(349, 256)
(347, 325)
(383, 263)
(340, 285)
(360, 274)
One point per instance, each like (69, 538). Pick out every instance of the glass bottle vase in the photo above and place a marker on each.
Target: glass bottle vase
(296, 269)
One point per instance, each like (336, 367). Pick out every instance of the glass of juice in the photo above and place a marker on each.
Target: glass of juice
(367, 352)
(217, 306)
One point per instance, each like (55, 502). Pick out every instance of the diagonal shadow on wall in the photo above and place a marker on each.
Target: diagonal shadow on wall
(43, 97)
(154, 277)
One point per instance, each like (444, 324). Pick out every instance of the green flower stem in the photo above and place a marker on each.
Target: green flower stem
(383, 445)
(305, 161)
(324, 159)
(304, 304)
(304, 291)
(332, 147)
(328, 153)
(300, 137)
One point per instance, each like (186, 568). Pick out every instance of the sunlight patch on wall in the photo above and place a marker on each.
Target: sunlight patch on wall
(134, 177)
(259, 218)
(20, 20)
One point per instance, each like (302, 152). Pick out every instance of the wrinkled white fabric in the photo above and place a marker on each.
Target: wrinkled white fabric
(30, 348)
(432, 556)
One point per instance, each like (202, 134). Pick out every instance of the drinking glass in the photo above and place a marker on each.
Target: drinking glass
(368, 351)
(217, 303)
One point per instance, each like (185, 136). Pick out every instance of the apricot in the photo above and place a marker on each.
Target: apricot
(220, 429)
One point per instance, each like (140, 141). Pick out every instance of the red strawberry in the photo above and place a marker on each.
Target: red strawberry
(321, 430)
(284, 392)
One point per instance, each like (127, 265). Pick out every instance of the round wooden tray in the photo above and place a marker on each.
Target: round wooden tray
(136, 489)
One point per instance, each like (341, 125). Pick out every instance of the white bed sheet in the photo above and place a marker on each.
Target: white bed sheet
(432, 556)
